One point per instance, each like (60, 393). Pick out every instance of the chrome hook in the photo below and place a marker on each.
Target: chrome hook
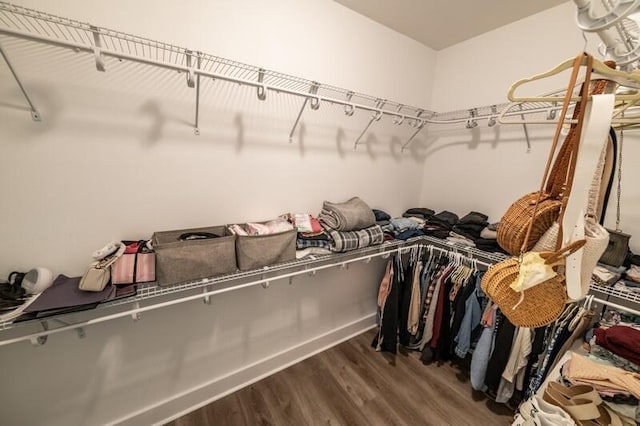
(398, 119)
(492, 120)
(471, 122)
(261, 90)
(315, 101)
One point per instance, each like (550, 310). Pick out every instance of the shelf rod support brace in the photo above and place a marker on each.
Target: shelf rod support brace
(418, 125)
(315, 104)
(526, 132)
(196, 130)
(375, 116)
(41, 340)
(97, 49)
(35, 115)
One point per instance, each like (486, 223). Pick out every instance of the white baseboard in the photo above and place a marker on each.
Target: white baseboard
(194, 398)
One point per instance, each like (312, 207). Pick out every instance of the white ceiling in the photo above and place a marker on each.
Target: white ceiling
(442, 23)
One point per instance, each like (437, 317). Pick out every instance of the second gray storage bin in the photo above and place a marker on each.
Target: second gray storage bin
(257, 251)
(179, 261)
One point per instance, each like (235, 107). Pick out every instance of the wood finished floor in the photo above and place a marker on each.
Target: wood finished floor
(351, 384)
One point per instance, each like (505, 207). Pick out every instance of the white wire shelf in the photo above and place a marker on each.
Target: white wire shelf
(610, 291)
(41, 27)
(148, 296)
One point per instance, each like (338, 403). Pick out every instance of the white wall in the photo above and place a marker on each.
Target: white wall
(115, 157)
(486, 169)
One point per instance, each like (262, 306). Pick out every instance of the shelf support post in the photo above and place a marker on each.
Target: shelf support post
(314, 104)
(35, 115)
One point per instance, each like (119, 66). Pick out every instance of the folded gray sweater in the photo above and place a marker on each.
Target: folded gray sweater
(351, 215)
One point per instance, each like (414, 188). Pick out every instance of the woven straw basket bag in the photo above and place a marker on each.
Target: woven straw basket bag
(519, 217)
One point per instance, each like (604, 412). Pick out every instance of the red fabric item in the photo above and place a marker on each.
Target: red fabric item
(437, 321)
(621, 340)
(315, 224)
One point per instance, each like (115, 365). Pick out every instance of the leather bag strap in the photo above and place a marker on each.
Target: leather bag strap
(565, 106)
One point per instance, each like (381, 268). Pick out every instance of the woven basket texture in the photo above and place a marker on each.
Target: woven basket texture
(542, 304)
(513, 226)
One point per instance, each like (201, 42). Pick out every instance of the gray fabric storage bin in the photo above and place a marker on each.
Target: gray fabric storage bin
(256, 251)
(181, 261)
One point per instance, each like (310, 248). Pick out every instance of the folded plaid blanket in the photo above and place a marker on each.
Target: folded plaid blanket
(353, 240)
(348, 216)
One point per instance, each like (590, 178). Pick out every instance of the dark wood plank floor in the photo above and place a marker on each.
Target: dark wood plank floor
(351, 384)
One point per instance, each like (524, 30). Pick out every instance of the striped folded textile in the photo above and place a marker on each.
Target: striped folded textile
(342, 241)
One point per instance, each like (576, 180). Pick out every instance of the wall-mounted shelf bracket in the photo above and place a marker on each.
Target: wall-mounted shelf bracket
(315, 104)
(97, 49)
(35, 115)
(206, 299)
(135, 315)
(376, 115)
(417, 124)
(40, 340)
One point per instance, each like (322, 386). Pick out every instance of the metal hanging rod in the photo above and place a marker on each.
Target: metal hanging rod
(41, 27)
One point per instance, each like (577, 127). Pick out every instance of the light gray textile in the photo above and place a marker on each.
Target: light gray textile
(352, 215)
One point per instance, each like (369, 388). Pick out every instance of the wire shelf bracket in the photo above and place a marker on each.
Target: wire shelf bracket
(315, 104)
(35, 115)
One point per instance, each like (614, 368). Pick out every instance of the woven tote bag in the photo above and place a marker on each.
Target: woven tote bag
(537, 306)
(519, 219)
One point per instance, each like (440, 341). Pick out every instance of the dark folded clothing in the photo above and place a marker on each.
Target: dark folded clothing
(436, 231)
(318, 236)
(469, 230)
(444, 218)
(380, 215)
(409, 233)
(475, 217)
(488, 245)
(419, 212)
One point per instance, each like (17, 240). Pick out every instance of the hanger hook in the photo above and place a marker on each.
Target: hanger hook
(398, 119)
(261, 90)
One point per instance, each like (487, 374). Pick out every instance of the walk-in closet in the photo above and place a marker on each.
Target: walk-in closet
(320, 212)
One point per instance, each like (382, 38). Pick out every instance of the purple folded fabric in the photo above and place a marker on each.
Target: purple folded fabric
(64, 293)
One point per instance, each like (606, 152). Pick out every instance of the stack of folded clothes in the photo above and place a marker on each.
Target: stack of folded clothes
(441, 224)
(351, 225)
(407, 227)
(311, 239)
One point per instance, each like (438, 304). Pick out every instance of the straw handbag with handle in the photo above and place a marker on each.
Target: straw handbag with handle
(519, 217)
(542, 303)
